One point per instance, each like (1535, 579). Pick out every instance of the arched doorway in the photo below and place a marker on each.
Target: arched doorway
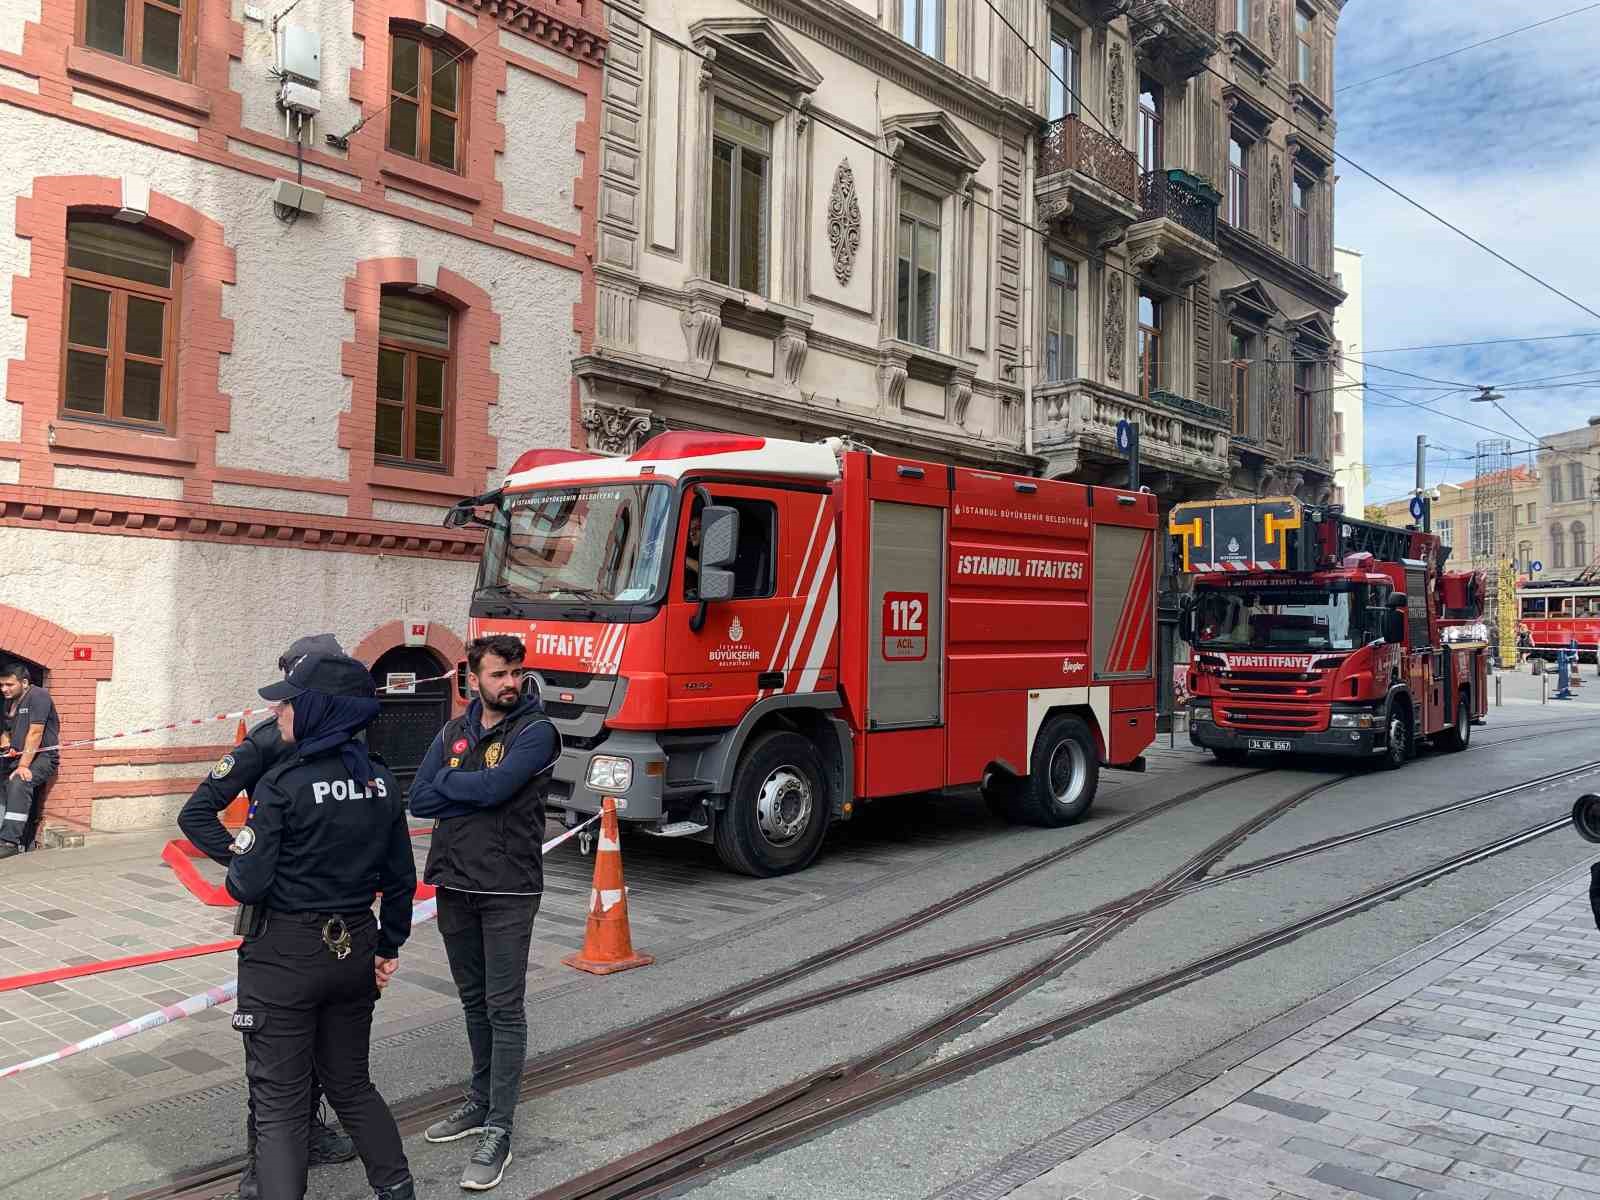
(407, 723)
(37, 675)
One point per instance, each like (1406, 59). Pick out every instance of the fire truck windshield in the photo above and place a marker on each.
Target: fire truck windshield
(1287, 618)
(601, 543)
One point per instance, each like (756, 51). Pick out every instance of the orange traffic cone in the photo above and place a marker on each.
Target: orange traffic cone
(607, 944)
(237, 813)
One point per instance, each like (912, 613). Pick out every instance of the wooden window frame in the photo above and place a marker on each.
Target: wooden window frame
(1150, 340)
(1575, 480)
(1305, 46)
(1301, 217)
(427, 48)
(133, 35)
(1580, 544)
(1064, 95)
(1152, 157)
(1238, 198)
(407, 460)
(1239, 380)
(1305, 406)
(1338, 432)
(906, 319)
(916, 10)
(1558, 545)
(1057, 290)
(736, 199)
(116, 336)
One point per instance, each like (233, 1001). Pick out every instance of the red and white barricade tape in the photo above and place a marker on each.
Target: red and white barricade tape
(222, 994)
(227, 716)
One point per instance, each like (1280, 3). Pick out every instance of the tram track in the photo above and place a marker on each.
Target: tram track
(718, 1016)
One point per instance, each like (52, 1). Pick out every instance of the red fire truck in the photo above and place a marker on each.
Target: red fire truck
(1316, 633)
(742, 637)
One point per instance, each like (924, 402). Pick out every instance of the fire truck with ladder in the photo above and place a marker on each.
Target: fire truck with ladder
(1313, 632)
(742, 638)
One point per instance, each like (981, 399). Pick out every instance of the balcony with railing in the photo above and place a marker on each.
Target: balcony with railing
(1175, 237)
(1177, 36)
(1075, 429)
(1086, 175)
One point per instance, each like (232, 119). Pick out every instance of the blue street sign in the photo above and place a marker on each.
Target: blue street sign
(1416, 508)
(1536, 566)
(1124, 435)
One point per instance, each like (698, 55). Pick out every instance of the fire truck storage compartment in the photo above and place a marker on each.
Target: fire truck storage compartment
(1124, 568)
(905, 608)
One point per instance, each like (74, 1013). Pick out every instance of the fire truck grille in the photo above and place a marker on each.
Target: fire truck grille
(558, 711)
(1279, 719)
(564, 679)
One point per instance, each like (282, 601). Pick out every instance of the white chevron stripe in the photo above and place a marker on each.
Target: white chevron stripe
(807, 613)
(823, 641)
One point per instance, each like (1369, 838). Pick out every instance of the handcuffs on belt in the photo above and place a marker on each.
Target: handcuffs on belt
(338, 942)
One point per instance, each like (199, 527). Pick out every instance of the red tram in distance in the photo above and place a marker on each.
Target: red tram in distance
(1557, 612)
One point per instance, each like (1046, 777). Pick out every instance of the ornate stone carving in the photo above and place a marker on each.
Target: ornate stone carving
(702, 329)
(1054, 207)
(1116, 330)
(1144, 255)
(618, 301)
(844, 222)
(792, 346)
(1275, 395)
(615, 428)
(1116, 87)
(892, 364)
(1275, 201)
(1275, 27)
(958, 395)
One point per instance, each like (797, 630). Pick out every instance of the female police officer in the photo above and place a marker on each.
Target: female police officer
(327, 833)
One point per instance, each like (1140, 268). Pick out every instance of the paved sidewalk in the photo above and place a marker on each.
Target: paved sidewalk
(1472, 1076)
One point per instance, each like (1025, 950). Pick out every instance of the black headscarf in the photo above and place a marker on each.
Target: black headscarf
(322, 722)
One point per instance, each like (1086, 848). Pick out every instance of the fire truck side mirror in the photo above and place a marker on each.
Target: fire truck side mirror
(1394, 626)
(1186, 621)
(719, 546)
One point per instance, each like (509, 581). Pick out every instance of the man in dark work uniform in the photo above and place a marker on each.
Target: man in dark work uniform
(237, 771)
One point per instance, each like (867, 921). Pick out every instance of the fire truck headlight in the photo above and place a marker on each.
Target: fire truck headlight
(1200, 712)
(608, 773)
(1352, 720)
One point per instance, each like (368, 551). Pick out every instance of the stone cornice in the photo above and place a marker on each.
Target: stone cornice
(64, 511)
(582, 37)
(634, 372)
(848, 32)
(1249, 254)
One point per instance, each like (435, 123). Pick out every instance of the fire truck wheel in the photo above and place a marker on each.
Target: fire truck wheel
(1228, 756)
(1459, 734)
(1399, 747)
(1063, 775)
(778, 812)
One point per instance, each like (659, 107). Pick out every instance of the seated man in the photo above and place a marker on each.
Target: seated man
(33, 729)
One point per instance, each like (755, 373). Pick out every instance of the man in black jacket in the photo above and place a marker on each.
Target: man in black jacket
(240, 770)
(483, 781)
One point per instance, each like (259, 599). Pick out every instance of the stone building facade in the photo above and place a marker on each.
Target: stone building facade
(1564, 539)
(980, 230)
(234, 411)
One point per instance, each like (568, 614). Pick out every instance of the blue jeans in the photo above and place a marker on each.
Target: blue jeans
(486, 938)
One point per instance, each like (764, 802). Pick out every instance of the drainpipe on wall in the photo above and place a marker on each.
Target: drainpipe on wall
(1028, 238)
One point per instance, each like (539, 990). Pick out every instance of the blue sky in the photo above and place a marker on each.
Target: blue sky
(1498, 140)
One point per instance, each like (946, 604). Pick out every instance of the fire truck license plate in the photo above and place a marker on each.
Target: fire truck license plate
(1270, 744)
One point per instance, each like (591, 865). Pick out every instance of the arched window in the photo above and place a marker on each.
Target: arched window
(1524, 554)
(1558, 543)
(122, 305)
(415, 371)
(1580, 545)
(427, 94)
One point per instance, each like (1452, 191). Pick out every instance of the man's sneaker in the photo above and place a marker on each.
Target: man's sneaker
(466, 1120)
(249, 1188)
(400, 1191)
(327, 1145)
(488, 1162)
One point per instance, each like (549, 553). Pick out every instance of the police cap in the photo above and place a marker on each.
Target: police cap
(332, 674)
(317, 643)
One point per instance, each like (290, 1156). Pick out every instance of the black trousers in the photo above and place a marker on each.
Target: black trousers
(300, 1006)
(20, 795)
(486, 938)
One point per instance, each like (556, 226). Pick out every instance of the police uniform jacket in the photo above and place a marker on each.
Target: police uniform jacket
(318, 842)
(486, 789)
(239, 770)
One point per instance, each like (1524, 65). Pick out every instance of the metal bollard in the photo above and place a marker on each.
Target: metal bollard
(1544, 688)
(1497, 689)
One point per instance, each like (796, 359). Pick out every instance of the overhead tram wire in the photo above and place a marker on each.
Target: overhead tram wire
(1554, 337)
(1499, 37)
